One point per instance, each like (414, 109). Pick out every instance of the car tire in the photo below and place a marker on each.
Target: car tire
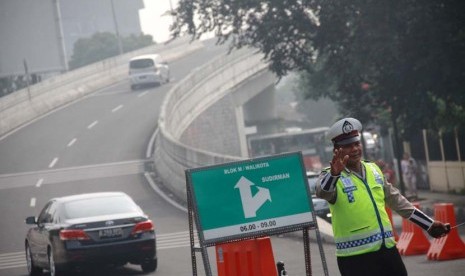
(54, 271)
(133, 87)
(149, 266)
(31, 268)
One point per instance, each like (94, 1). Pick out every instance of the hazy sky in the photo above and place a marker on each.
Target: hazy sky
(152, 21)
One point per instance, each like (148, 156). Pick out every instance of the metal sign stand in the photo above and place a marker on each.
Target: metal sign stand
(193, 214)
(194, 248)
(306, 239)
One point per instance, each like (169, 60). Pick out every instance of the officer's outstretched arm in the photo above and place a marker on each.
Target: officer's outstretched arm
(397, 202)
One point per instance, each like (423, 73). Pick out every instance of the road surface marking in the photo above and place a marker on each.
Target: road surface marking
(54, 161)
(58, 175)
(72, 142)
(164, 241)
(92, 125)
(117, 108)
(142, 94)
(33, 202)
(39, 183)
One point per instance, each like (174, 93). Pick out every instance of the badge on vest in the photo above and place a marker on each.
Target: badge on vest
(378, 177)
(349, 188)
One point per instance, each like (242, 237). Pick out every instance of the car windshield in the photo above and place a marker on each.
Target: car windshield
(100, 206)
(141, 63)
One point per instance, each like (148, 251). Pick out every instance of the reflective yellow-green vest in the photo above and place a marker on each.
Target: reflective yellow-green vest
(359, 218)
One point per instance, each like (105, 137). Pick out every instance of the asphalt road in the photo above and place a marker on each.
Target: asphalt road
(98, 143)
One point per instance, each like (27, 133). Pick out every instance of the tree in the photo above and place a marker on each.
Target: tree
(104, 45)
(281, 29)
(399, 60)
(410, 56)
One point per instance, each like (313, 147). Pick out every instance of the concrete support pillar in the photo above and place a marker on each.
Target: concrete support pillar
(261, 107)
(241, 131)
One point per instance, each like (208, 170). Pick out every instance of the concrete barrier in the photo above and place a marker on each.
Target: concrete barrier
(184, 102)
(27, 104)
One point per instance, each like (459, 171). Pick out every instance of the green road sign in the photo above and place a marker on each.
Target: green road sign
(249, 197)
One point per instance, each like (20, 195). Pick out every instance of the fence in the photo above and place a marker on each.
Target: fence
(444, 153)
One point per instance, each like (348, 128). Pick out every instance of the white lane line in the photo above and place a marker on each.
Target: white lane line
(148, 153)
(117, 108)
(5, 255)
(39, 183)
(92, 125)
(33, 202)
(12, 260)
(54, 161)
(142, 94)
(59, 108)
(179, 234)
(14, 266)
(162, 194)
(72, 142)
(164, 242)
(186, 244)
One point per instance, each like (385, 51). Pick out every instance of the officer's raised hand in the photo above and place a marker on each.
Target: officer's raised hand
(339, 161)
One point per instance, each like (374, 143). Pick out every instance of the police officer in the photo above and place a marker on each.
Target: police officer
(358, 193)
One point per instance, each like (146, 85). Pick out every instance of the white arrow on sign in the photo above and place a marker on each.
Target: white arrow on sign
(250, 204)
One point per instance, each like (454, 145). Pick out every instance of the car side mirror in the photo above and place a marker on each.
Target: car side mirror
(31, 220)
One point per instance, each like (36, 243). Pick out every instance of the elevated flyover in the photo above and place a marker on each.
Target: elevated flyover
(202, 117)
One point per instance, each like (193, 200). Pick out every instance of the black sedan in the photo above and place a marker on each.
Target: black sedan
(79, 231)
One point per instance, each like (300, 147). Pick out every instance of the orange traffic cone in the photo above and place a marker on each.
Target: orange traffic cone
(450, 246)
(253, 257)
(394, 232)
(412, 240)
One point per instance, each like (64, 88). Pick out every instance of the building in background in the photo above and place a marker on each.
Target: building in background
(37, 37)
(84, 18)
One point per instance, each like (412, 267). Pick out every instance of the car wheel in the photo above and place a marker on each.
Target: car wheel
(31, 268)
(52, 265)
(149, 266)
(133, 87)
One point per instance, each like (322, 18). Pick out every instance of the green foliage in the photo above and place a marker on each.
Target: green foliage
(281, 29)
(104, 45)
(408, 54)
(381, 61)
(134, 42)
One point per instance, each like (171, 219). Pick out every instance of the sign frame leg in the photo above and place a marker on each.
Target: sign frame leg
(190, 214)
(308, 262)
(322, 253)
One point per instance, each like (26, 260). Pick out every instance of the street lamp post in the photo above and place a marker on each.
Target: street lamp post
(172, 11)
(120, 45)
